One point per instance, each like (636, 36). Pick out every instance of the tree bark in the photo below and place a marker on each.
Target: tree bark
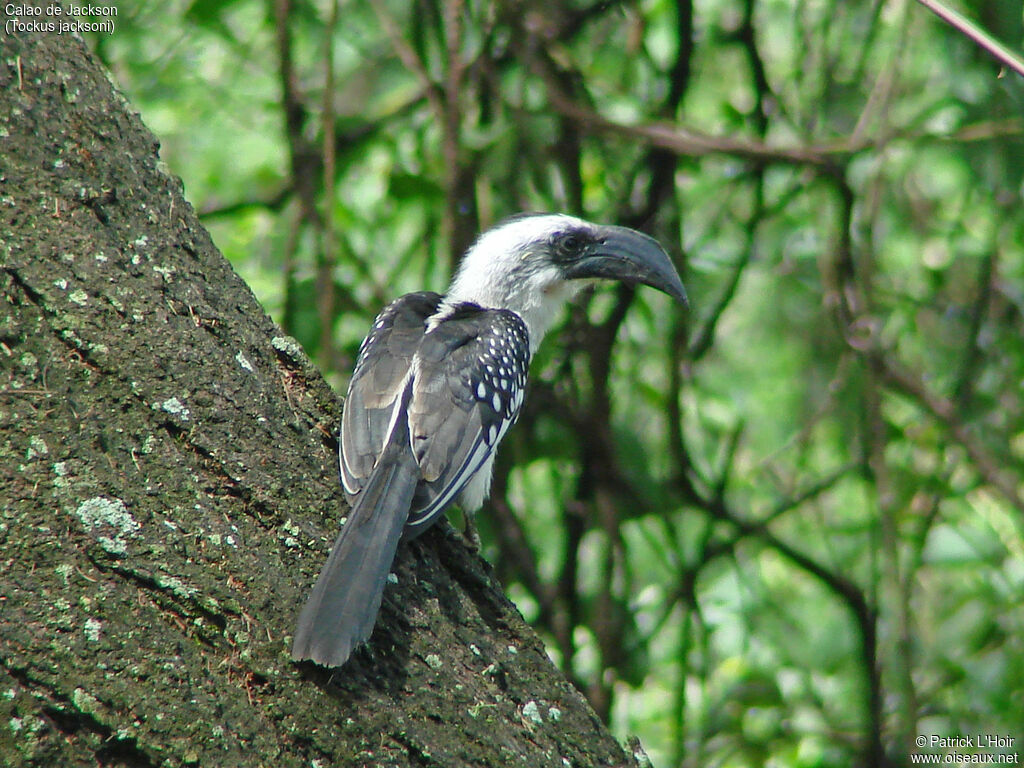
(169, 492)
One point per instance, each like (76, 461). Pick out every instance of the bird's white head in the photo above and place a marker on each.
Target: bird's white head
(533, 263)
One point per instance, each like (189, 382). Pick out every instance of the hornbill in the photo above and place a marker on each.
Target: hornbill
(437, 383)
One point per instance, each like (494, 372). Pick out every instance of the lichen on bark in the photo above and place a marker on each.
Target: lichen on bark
(169, 491)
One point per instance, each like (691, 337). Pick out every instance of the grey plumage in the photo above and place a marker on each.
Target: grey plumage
(439, 401)
(343, 605)
(437, 383)
(382, 366)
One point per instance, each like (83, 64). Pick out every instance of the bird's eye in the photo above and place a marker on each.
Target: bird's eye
(571, 243)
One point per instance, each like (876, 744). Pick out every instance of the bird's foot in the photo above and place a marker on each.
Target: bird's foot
(470, 534)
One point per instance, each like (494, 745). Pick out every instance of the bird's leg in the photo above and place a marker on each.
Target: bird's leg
(469, 532)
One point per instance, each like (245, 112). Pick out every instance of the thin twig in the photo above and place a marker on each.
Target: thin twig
(409, 58)
(945, 411)
(969, 29)
(326, 294)
(684, 141)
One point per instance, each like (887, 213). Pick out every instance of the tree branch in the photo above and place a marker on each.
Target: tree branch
(983, 39)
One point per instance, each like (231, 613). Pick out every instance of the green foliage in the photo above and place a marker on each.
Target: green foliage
(784, 528)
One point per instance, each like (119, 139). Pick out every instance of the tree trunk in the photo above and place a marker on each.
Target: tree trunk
(169, 492)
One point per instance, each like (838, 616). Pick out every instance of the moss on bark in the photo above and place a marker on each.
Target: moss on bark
(169, 492)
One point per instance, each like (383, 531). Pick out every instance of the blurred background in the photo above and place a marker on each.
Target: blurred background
(785, 527)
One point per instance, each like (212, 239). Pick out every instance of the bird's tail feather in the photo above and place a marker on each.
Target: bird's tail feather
(342, 608)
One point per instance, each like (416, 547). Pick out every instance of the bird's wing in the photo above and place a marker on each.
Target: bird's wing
(469, 378)
(382, 366)
(440, 411)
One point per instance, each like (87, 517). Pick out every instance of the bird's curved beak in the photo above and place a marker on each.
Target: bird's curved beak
(631, 257)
